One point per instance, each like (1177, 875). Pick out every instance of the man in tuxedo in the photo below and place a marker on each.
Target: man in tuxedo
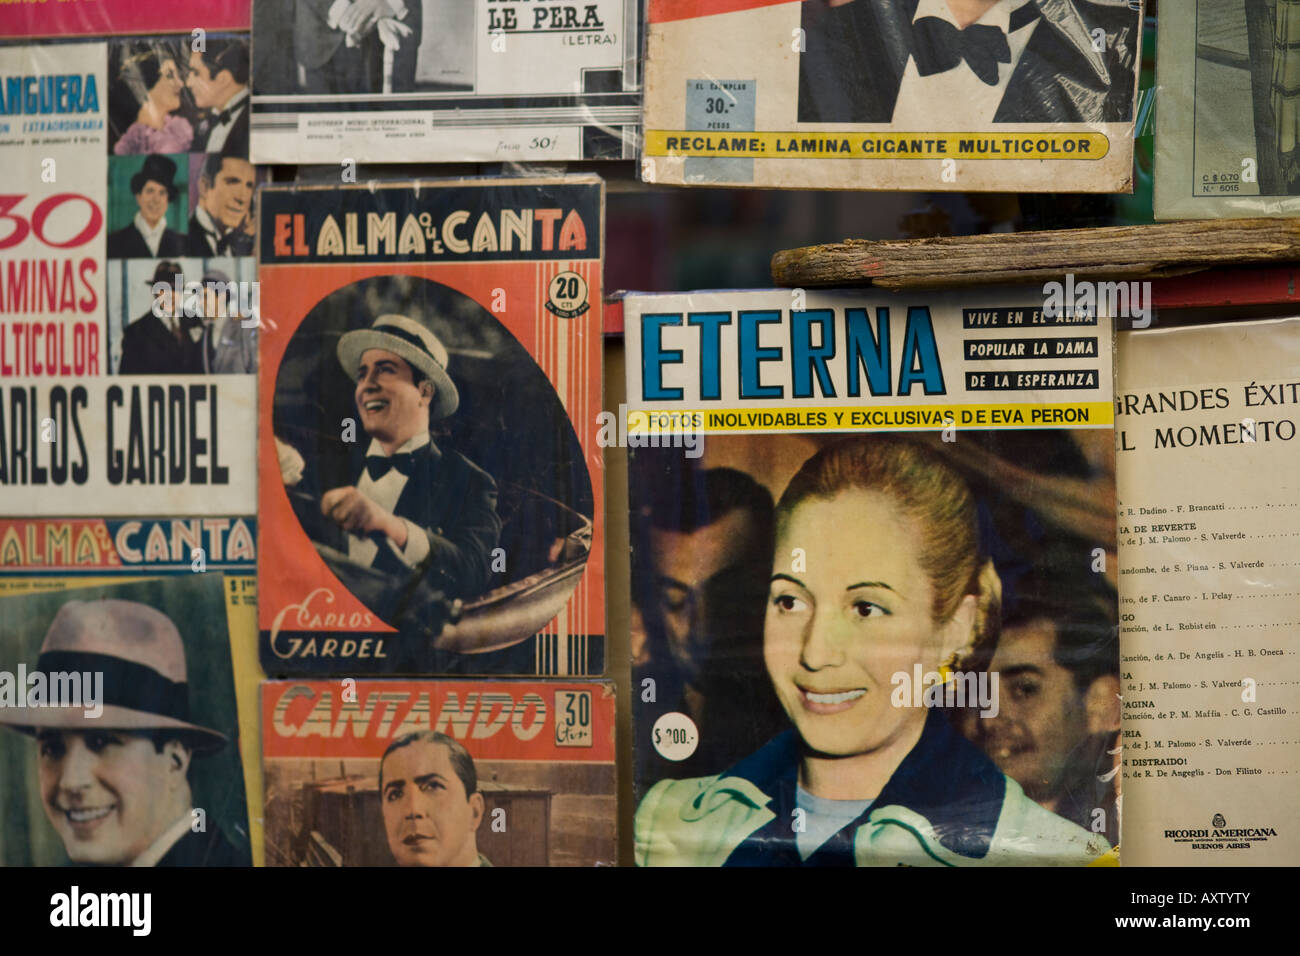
(158, 343)
(339, 44)
(225, 199)
(966, 64)
(115, 784)
(416, 511)
(147, 236)
(218, 80)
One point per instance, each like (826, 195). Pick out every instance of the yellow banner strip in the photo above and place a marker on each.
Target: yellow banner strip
(839, 144)
(667, 421)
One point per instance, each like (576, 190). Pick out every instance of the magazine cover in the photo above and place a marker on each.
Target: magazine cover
(128, 312)
(873, 565)
(1226, 126)
(969, 95)
(439, 773)
(182, 292)
(1209, 593)
(431, 497)
(119, 728)
(55, 554)
(121, 300)
(381, 81)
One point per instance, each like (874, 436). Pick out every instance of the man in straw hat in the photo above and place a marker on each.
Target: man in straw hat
(414, 506)
(116, 786)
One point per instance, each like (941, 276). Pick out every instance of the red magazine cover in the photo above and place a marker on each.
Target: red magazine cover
(439, 773)
(429, 484)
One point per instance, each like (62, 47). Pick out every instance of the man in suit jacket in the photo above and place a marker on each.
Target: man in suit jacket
(147, 236)
(115, 784)
(339, 45)
(423, 514)
(227, 346)
(217, 227)
(158, 343)
(218, 80)
(964, 64)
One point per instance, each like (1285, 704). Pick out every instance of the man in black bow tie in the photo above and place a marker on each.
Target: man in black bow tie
(218, 81)
(954, 65)
(415, 508)
(219, 224)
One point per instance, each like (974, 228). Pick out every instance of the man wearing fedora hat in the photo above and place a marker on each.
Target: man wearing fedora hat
(226, 345)
(147, 236)
(158, 343)
(116, 787)
(415, 509)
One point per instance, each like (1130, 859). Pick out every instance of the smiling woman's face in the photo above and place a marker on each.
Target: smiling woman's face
(858, 612)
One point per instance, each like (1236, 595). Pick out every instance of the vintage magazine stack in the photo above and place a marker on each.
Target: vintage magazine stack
(306, 547)
(129, 519)
(409, 392)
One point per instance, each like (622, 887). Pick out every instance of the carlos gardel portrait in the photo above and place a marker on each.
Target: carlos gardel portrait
(431, 464)
(144, 770)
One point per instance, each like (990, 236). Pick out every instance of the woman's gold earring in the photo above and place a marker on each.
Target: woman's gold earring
(949, 669)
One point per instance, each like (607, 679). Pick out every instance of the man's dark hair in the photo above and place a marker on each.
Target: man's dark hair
(680, 497)
(461, 761)
(213, 163)
(1086, 639)
(705, 497)
(229, 55)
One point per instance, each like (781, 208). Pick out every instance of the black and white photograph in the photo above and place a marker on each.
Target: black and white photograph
(963, 64)
(1228, 127)
(352, 46)
(383, 81)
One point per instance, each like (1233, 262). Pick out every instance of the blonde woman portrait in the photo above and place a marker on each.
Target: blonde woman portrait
(888, 576)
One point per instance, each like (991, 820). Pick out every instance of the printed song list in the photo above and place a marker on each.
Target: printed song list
(1209, 583)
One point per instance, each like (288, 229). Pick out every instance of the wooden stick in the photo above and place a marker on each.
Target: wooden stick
(1114, 252)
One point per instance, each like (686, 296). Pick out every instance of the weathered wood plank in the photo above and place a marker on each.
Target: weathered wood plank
(1114, 252)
